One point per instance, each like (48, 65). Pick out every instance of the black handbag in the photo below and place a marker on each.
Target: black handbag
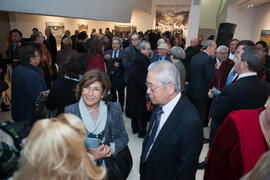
(119, 165)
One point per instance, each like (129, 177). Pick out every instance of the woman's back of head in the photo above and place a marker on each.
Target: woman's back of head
(55, 150)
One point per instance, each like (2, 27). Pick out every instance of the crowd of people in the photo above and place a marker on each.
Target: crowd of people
(172, 89)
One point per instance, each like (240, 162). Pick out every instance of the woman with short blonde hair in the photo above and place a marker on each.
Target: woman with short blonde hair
(55, 150)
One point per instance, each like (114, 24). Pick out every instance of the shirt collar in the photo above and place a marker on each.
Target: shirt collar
(247, 74)
(167, 108)
(206, 52)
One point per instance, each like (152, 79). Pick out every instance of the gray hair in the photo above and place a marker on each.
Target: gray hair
(178, 53)
(166, 73)
(254, 57)
(207, 43)
(117, 39)
(142, 44)
(160, 41)
(67, 42)
(222, 47)
(164, 45)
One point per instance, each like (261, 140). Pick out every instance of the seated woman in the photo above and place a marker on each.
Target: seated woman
(103, 120)
(63, 90)
(239, 143)
(55, 150)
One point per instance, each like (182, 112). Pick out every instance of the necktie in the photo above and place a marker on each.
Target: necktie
(152, 135)
(114, 54)
(230, 77)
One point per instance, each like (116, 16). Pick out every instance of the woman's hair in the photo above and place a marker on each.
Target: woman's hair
(55, 150)
(261, 171)
(95, 48)
(75, 66)
(94, 76)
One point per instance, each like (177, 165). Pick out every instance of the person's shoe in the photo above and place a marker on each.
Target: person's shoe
(201, 165)
(4, 107)
(205, 140)
(141, 135)
(134, 131)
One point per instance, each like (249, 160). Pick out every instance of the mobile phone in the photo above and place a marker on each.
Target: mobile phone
(215, 91)
(92, 142)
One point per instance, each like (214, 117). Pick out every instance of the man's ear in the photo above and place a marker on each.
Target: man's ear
(171, 88)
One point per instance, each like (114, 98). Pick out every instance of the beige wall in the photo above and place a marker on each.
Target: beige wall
(262, 21)
(25, 22)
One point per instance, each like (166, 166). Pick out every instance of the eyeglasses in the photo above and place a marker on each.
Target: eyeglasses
(160, 49)
(152, 88)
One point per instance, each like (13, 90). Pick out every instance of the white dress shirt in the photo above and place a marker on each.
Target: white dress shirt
(167, 109)
(247, 74)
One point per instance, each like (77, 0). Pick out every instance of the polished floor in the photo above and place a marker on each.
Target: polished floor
(135, 145)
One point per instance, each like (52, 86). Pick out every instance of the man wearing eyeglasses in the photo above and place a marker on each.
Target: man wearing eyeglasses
(162, 53)
(174, 139)
(27, 83)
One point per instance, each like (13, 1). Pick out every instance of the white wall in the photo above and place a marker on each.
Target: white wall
(194, 21)
(243, 17)
(25, 22)
(261, 21)
(107, 10)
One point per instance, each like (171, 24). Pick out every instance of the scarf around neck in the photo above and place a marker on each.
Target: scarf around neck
(91, 125)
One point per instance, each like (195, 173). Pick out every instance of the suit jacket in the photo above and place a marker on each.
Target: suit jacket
(202, 69)
(157, 58)
(116, 74)
(246, 93)
(136, 88)
(129, 54)
(176, 150)
(118, 129)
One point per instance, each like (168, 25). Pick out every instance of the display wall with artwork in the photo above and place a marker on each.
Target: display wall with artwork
(58, 30)
(172, 18)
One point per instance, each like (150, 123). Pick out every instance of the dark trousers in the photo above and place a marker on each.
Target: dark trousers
(121, 97)
(202, 107)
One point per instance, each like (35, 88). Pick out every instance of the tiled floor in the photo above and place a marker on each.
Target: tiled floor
(135, 145)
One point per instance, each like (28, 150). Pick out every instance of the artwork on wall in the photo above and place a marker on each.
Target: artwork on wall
(83, 27)
(58, 30)
(124, 29)
(172, 18)
(265, 36)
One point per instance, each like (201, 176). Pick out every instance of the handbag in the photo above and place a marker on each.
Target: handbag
(119, 165)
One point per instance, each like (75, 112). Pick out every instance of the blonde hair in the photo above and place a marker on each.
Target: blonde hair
(55, 150)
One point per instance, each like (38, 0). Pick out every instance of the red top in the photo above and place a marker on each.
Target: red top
(238, 145)
(97, 62)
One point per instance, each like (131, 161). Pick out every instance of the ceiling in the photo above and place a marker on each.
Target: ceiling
(250, 3)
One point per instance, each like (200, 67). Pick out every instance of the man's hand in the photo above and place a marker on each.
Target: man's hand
(116, 64)
(107, 56)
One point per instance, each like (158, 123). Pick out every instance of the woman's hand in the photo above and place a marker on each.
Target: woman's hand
(101, 152)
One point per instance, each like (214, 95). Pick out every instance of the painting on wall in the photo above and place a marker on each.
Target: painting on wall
(172, 18)
(265, 36)
(83, 27)
(58, 30)
(124, 29)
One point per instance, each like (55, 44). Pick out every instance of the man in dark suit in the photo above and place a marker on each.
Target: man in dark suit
(136, 90)
(129, 54)
(202, 69)
(162, 53)
(115, 70)
(173, 142)
(232, 48)
(248, 92)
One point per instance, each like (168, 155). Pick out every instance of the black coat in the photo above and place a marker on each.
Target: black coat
(27, 83)
(246, 93)
(176, 150)
(136, 88)
(202, 70)
(128, 56)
